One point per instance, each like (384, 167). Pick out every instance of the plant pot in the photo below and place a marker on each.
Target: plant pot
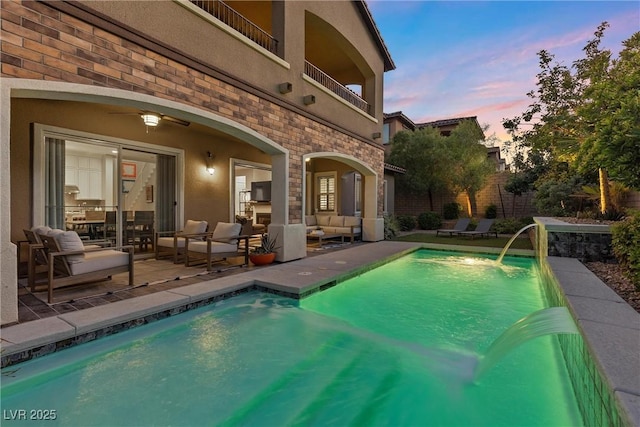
(262, 259)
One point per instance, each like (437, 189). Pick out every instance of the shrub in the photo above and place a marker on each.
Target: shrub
(429, 221)
(491, 212)
(391, 227)
(625, 238)
(510, 225)
(406, 222)
(451, 210)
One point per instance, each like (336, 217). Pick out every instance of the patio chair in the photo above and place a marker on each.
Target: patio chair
(481, 229)
(70, 263)
(141, 233)
(37, 262)
(225, 242)
(172, 243)
(461, 225)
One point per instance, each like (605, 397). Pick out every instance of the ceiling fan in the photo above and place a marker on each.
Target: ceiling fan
(152, 119)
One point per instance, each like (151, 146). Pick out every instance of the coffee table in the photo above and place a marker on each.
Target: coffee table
(322, 237)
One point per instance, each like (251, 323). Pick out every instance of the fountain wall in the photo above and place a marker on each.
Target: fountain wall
(586, 242)
(603, 360)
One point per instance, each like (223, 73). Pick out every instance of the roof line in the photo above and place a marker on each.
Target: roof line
(377, 37)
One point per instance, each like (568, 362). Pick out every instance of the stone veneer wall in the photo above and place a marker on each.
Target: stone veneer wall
(586, 242)
(42, 43)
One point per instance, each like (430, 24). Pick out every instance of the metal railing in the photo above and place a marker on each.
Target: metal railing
(229, 16)
(334, 86)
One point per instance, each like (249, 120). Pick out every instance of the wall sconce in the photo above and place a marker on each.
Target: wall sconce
(285, 87)
(376, 135)
(309, 99)
(150, 119)
(209, 163)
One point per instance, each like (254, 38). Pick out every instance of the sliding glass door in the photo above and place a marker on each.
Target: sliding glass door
(103, 188)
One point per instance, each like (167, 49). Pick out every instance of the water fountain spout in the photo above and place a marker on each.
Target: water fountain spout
(506, 247)
(554, 320)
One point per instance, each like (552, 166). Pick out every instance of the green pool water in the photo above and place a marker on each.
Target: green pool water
(395, 346)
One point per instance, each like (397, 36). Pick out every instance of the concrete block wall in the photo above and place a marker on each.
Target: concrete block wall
(493, 193)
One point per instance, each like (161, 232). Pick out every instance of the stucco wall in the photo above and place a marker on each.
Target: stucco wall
(44, 44)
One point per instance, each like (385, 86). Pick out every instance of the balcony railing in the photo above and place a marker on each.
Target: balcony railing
(334, 86)
(224, 13)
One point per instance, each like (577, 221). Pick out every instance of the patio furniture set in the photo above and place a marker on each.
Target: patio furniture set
(460, 228)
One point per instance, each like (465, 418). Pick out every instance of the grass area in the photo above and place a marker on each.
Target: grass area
(521, 242)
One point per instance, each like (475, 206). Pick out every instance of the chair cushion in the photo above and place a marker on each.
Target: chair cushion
(216, 247)
(70, 241)
(336, 221)
(351, 221)
(41, 229)
(194, 227)
(226, 230)
(53, 232)
(323, 219)
(100, 260)
(310, 220)
(167, 242)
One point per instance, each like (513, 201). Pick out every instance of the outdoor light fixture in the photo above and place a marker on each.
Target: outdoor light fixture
(376, 135)
(285, 87)
(150, 119)
(209, 163)
(309, 99)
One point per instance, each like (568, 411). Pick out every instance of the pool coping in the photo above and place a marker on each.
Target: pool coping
(610, 327)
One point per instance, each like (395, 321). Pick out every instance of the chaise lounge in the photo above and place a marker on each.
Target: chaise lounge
(460, 226)
(481, 230)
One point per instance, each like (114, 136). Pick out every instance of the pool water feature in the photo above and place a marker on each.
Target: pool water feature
(394, 346)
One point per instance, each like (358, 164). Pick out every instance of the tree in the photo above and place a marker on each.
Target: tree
(436, 163)
(422, 154)
(587, 119)
(469, 163)
(612, 113)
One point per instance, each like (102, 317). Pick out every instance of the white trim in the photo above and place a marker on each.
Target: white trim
(224, 27)
(330, 93)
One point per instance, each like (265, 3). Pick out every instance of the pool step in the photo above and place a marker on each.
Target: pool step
(325, 388)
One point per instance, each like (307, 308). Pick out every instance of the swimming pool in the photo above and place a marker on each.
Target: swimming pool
(393, 346)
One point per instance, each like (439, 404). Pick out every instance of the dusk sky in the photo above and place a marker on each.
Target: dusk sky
(479, 58)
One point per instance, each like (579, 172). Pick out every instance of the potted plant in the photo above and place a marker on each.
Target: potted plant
(266, 252)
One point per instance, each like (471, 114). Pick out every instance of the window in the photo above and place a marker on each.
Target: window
(326, 191)
(385, 133)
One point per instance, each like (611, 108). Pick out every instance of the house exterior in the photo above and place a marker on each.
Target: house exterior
(267, 100)
(403, 204)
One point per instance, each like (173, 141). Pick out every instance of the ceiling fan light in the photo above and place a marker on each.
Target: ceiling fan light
(150, 119)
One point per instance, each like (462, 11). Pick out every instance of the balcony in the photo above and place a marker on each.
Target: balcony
(235, 20)
(337, 88)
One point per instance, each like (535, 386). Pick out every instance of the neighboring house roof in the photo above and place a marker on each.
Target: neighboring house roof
(446, 122)
(377, 37)
(394, 168)
(400, 116)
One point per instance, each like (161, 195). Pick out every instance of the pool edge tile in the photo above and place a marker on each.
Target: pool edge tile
(122, 311)
(25, 336)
